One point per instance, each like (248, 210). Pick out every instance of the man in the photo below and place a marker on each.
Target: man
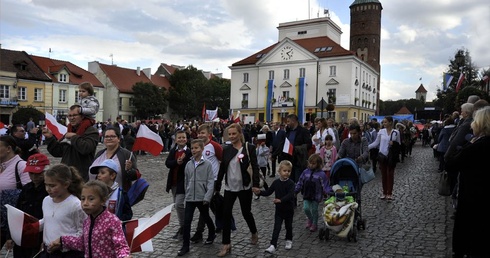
(278, 136)
(30, 125)
(300, 138)
(27, 145)
(74, 150)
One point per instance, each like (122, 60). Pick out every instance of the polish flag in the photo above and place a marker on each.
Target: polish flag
(56, 128)
(24, 228)
(460, 82)
(237, 118)
(288, 147)
(147, 140)
(131, 225)
(146, 230)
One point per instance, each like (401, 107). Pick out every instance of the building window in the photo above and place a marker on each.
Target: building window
(245, 100)
(131, 102)
(286, 74)
(4, 92)
(332, 96)
(77, 98)
(62, 96)
(62, 77)
(245, 77)
(22, 93)
(302, 72)
(120, 103)
(38, 94)
(271, 75)
(333, 70)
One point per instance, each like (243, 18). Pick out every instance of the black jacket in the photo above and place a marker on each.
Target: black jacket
(171, 164)
(229, 152)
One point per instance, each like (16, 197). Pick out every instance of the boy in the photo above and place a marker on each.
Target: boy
(283, 187)
(89, 106)
(118, 201)
(262, 159)
(199, 188)
(176, 161)
(31, 199)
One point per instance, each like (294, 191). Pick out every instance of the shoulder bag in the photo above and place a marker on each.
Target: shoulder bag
(444, 187)
(366, 172)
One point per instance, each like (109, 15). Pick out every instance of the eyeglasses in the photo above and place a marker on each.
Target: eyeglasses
(21, 131)
(110, 137)
(74, 115)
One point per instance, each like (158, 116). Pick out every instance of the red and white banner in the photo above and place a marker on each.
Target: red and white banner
(288, 147)
(24, 228)
(211, 115)
(147, 140)
(131, 225)
(148, 229)
(460, 82)
(56, 128)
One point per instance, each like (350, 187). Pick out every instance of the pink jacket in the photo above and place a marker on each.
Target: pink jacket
(103, 237)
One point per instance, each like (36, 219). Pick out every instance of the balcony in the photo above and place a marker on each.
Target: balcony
(283, 102)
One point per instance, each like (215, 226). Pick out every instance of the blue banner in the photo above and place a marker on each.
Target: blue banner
(300, 100)
(268, 100)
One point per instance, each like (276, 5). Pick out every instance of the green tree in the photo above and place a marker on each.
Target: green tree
(188, 92)
(22, 115)
(149, 100)
(218, 95)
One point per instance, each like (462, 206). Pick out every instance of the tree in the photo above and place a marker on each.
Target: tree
(218, 95)
(22, 115)
(188, 91)
(149, 100)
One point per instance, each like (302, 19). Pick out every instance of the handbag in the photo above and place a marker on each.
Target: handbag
(366, 171)
(444, 187)
(382, 158)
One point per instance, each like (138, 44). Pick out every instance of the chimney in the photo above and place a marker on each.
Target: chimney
(138, 71)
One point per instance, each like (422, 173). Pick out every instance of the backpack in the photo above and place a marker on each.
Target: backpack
(309, 188)
(137, 191)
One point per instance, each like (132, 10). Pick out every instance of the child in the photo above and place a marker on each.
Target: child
(102, 231)
(313, 184)
(176, 161)
(63, 214)
(31, 199)
(263, 160)
(89, 107)
(199, 188)
(283, 187)
(328, 153)
(118, 201)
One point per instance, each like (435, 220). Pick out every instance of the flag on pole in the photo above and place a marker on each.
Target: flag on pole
(237, 118)
(268, 99)
(460, 82)
(150, 228)
(485, 79)
(203, 112)
(130, 226)
(56, 128)
(447, 78)
(147, 140)
(300, 101)
(211, 114)
(288, 147)
(24, 228)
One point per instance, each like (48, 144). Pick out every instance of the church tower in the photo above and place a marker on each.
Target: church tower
(365, 34)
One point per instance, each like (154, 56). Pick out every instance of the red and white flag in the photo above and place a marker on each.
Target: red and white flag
(56, 128)
(147, 140)
(131, 225)
(460, 82)
(24, 228)
(288, 147)
(148, 229)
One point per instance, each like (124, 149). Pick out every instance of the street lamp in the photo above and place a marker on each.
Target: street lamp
(42, 121)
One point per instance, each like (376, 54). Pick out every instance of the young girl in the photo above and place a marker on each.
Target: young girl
(102, 231)
(284, 201)
(118, 201)
(328, 153)
(313, 184)
(63, 214)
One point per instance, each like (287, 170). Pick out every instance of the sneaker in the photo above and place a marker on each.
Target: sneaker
(210, 240)
(313, 228)
(289, 244)
(308, 223)
(271, 249)
(382, 197)
(256, 197)
(196, 238)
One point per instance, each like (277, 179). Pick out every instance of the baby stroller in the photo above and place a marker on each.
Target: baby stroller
(342, 211)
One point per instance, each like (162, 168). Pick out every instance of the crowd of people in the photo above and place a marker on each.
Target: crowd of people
(212, 165)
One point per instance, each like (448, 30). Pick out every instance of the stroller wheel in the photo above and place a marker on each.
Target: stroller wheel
(327, 234)
(363, 224)
(321, 233)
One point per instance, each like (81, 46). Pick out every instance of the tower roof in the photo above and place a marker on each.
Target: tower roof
(365, 2)
(421, 89)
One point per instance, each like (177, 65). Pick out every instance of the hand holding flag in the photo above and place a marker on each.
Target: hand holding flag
(58, 130)
(288, 147)
(24, 228)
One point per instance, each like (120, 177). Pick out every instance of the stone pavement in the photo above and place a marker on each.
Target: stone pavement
(415, 224)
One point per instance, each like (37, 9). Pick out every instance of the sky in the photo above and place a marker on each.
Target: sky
(419, 37)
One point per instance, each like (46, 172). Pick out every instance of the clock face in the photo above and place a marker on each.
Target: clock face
(287, 53)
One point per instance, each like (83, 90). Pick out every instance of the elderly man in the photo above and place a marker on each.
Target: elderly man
(27, 145)
(76, 150)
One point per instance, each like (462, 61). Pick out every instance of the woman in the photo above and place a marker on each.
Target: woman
(237, 157)
(387, 137)
(473, 184)
(331, 125)
(323, 130)
(124, 159)
(10, 164)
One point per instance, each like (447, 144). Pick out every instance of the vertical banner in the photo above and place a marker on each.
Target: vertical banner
(268, 100)
(300, 100)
